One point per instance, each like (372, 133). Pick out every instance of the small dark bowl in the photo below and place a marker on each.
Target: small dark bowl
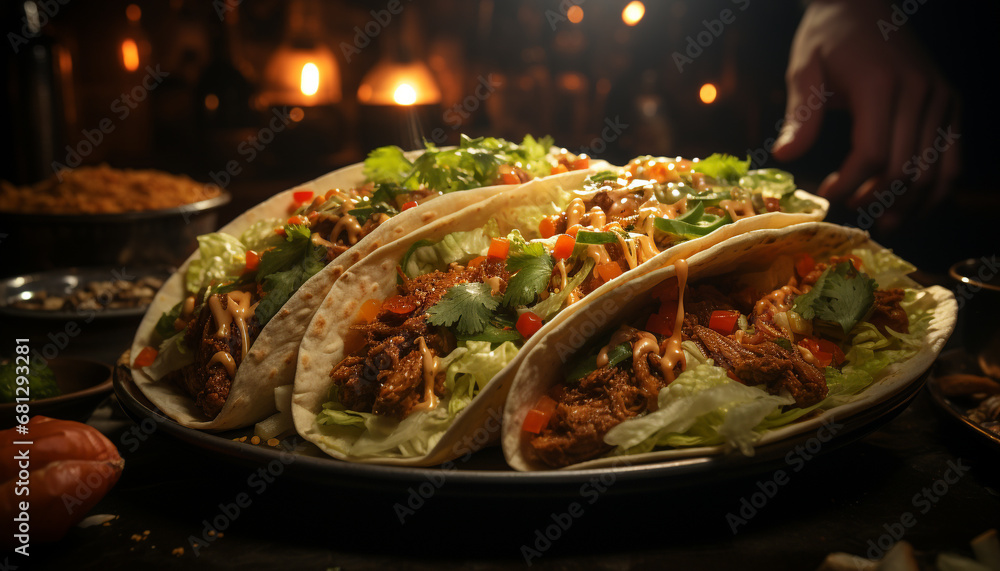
(978, 296)
(39, 242)
(83, 383)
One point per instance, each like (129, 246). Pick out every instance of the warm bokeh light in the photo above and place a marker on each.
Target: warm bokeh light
(393, 83)
(130, 55)
(133, 12)
(405, 94)
(575, 14)
(211, 102)
(708, 93)
(633, 13)
(296, 114)
(310, 79)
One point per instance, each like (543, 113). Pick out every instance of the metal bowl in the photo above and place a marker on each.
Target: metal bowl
(38, 242)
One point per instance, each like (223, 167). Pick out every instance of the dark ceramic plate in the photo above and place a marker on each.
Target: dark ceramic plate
(485, 472)
(83, 384)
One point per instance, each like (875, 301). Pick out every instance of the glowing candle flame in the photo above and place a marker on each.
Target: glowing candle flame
(310, 79)
(405, 94)
(130, 55)
(633, 13)
(708, 93)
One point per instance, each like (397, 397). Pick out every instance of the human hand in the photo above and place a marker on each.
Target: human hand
(905, 146)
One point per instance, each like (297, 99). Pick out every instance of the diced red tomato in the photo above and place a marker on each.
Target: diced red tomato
(572, 230)
(312, 216)
(498, 248)
(145, 357)
(723, 321)
(399, 305)
(476, 261)
(666, 291)
(280, 231)
(253, 260)
(508, 176)
(298, 220)
(547, 227)
(772, 204)
(369, 310)
(559, 169)
(822, 357)
(609, 271)
(804, 265)
(582, 162)
(409, 205)
(301, 197)
(564, 247)
(538, 417)
(832, 348)
(528, 324)
(659, 325)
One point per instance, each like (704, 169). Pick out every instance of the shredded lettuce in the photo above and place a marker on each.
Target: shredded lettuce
(468, 369)
(221, 258)
(888, 269)
(724, 168)
(424, 256)
(551, 305)
(260, 235)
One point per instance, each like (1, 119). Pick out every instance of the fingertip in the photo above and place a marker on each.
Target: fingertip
(827, 188)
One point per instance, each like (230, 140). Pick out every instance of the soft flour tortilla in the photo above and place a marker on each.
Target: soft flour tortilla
(375, 278)
(754, 252)
(270, 362)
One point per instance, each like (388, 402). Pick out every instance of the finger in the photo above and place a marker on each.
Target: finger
(951, 164)
(803, 111)
(871, 104)
(907, 124)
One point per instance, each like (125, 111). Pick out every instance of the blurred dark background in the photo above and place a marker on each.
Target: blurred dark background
(220, 90)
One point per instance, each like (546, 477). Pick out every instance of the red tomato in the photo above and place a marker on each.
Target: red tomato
(399, 305)
(498, 248)
(538, 417)
(528, 324)
(547, 227)
(558, 169)
(804, 265)
(564, 247)
(280, 231)
(772, 204)
(582, 162)
(572, 230)
(145, 357)
(822, 357)
(660, 325)
(476, 261)
(833, 349)
(253, 260)
(724, 321)
(301, 197)
(609, 271)
(409, 205)
(369, 310)
(298, 220)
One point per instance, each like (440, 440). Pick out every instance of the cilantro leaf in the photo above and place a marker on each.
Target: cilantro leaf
(387, 164)
(725, 168)
(467, 306)
(532, 277)
(279, 287)
(841, 295)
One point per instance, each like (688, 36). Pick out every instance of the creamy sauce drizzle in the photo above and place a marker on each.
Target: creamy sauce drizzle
(430, 371)
(236, 312)
(226, 360)
(575, 211)
(671, 347)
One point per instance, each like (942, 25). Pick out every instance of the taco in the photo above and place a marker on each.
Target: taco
(751, 341)
(414, 347)
(224, 330)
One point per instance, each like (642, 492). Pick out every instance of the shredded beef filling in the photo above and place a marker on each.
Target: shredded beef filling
(386, 376)
(210, 385)
(586, 410)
